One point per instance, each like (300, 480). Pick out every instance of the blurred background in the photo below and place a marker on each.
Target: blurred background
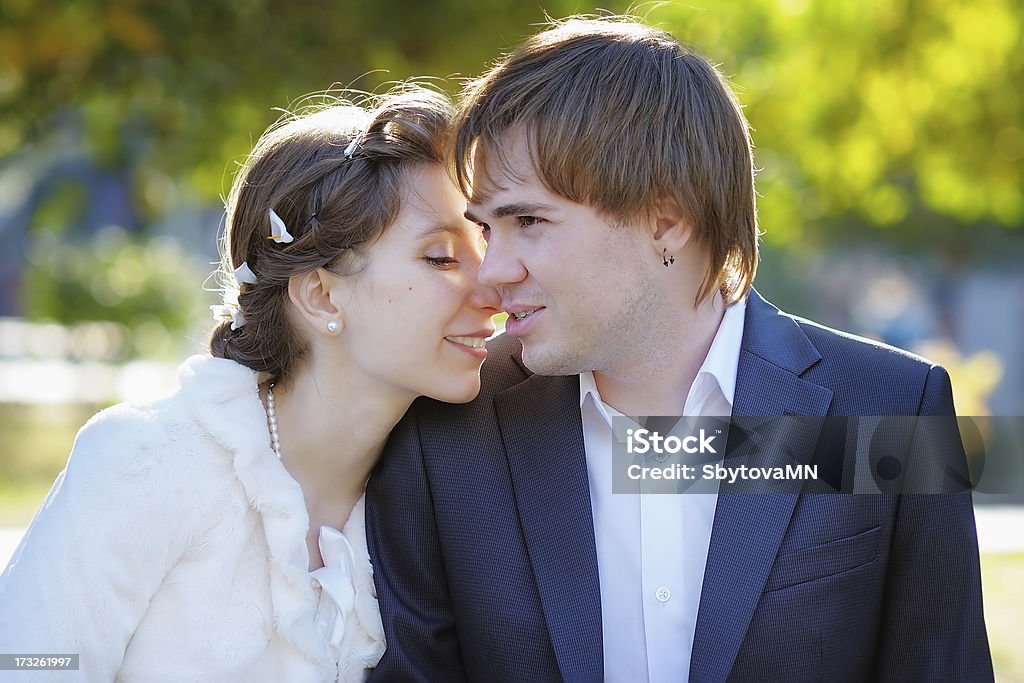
(889, 134)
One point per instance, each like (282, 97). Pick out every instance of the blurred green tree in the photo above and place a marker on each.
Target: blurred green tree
(174, 90)
(882, 113)
(149, 288)
(888, 112)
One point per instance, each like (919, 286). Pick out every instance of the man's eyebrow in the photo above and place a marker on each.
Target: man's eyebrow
(524, 209)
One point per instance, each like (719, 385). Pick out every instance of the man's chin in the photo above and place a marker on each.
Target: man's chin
(546, 361)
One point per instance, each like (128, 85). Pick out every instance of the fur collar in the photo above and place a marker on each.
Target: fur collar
(223, 398)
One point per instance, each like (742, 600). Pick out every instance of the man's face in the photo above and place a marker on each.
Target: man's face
(578, 288)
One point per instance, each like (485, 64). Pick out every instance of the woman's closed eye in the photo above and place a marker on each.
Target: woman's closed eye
(441, 262)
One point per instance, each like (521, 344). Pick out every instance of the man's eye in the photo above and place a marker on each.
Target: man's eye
(527, 221)
(443, 262)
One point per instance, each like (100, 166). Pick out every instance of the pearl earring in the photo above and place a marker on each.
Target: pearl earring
(332, 326)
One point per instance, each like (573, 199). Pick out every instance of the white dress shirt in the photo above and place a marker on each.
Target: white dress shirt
(652, 548)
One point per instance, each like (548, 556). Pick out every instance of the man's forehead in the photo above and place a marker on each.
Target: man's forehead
(511, 197)
(502, 166)
(508, 151)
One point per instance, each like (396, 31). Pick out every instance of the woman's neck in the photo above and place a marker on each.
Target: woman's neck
(332, 424)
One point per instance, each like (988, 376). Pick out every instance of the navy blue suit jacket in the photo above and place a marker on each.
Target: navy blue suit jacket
(482, 539)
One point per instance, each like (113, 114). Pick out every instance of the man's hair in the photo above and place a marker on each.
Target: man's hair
(620, 116)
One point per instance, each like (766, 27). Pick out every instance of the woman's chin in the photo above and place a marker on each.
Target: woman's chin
(454, 391)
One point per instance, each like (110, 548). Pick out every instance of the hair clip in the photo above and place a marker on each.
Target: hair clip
(225, 312)
(353, 146)
(244, 274)
(278, 230)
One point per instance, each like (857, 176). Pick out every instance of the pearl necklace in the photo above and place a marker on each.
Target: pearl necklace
(275, 438)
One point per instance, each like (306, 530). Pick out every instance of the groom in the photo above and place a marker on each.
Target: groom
(610, 170)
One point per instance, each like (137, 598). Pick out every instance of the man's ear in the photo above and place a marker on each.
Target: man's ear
(672, 228)
(315, 298)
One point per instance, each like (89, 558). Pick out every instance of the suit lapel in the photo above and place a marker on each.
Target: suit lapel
(543, 434)
(749, 527)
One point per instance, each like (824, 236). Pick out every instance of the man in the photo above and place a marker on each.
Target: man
(609, 167)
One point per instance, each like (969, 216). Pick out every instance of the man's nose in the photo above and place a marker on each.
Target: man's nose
(501, 265)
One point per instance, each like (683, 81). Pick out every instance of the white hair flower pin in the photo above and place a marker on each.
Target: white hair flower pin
(278, 230)
(228, 311)
(244, 274)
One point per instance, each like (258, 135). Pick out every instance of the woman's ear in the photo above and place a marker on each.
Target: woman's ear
(315, 298)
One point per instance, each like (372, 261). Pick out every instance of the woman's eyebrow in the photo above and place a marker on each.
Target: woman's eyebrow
(436, 228)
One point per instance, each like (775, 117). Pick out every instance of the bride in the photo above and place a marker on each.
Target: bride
(217, 534)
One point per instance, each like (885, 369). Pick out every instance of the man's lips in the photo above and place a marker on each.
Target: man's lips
(521, 317)
(521, 309)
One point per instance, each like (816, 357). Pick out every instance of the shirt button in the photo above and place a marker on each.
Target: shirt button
(663, 594)
(661, 457)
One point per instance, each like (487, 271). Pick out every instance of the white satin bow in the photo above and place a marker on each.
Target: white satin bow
(337, 587)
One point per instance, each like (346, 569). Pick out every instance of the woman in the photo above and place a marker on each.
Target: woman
(217, 534)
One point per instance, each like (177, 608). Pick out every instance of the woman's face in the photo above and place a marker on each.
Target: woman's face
(416, 317)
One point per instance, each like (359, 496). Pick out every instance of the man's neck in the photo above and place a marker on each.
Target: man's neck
(659, 383)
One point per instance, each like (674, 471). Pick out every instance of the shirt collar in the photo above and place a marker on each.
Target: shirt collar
(720, 364)
(724, 355)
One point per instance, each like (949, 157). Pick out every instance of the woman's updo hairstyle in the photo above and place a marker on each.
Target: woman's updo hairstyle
(334, 197)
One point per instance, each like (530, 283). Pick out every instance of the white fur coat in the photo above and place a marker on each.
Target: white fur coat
(172, 548)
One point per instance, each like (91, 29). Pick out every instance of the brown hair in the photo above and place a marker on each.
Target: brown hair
(334, 204)
(620, 115)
